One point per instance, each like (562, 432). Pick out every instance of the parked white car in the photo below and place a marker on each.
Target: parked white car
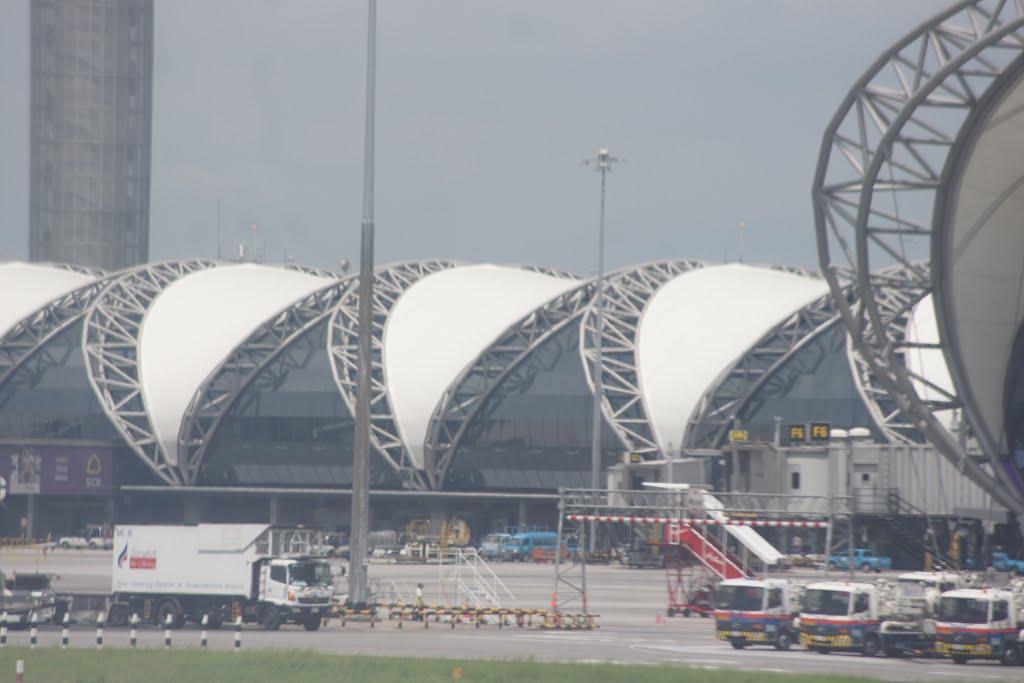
(93, 537)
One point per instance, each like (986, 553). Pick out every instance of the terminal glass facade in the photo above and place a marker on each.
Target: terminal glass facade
(534, 431)
(290, 427)
(814, 385)
(49, 397)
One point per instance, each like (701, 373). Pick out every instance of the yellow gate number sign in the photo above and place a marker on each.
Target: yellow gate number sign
(821, 431)
(738, 435)
(797, 433)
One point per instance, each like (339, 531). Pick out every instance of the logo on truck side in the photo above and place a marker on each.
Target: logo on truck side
(140, 559)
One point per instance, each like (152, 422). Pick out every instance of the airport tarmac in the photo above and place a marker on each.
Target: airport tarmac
(630, 604)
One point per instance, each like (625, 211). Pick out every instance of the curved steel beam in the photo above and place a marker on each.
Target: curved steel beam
(110, 340)
(24, 341)
(469, 392)
(740, 383)
(390, 282)
(625, 296)
(878, 180)
(229, 380)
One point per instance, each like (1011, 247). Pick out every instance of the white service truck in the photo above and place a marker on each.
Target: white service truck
(980, 623)
(848, 616)
(222, 571)
(756, 612)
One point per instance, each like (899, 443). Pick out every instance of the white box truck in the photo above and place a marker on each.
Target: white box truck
(263, 574)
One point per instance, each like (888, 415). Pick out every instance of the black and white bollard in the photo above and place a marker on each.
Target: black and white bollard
(3, 630)
(134, 634)
(238, 634)
(100, 618)
(167, 633)
(202, 636)
(65, 633)
(33, 637)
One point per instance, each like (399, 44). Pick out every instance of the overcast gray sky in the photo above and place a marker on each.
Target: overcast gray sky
(484, 112)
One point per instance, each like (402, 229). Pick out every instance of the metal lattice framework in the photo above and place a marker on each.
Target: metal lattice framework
(28, 341)
(390, 282)
(222, 389)
(110, 338)
(880, 172)
(469, 392)
(625, 296)
(765, 362)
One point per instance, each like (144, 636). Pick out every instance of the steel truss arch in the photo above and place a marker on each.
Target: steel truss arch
(625, 296)
(222, 389)
(110, 341)
(469, 392)
(390, 282)
(879, 179)
(23, 342)
(767, 361)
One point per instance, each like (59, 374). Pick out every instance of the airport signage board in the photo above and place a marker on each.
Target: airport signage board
(797, 433)
(821, 431)
(57, 470)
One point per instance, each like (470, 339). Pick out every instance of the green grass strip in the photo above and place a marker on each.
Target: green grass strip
(52, 665)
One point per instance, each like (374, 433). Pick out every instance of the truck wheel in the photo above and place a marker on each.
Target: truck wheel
(785, 640)
(312, 623)
(169, 608)
(738, 644)
(270, 618)
(959, 659)
(865, 567)
(65, 545)
(870, 647)
(821, 650)
(1011, 656)
(118, 615)
(214, 621)
(92, 545)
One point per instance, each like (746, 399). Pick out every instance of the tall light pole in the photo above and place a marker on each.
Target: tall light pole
(602, 164)
(358, 584)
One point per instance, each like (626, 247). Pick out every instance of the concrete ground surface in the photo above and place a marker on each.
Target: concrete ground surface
(631, 604)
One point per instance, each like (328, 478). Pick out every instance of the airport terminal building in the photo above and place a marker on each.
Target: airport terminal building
(200, 390)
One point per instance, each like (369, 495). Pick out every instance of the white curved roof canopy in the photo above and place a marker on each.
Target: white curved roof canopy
(27, 287)
(929, 361)
(698, 324)
(441, 324)
(984, 250)
(194, 323)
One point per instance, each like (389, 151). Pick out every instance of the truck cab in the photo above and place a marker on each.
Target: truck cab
(840, 615)
(294, 590)
(754, 612)
(975, 623)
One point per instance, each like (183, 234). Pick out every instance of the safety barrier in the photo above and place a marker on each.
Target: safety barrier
(476, 617)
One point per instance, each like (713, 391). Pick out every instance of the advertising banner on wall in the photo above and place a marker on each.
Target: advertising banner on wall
(57, 470)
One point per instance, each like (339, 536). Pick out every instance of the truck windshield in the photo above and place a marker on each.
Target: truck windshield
(831, 602)
(309, 574)
(739, 598)
(963, 610)
(28, 582)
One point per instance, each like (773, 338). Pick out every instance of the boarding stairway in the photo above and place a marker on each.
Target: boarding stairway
(466, 579)
(707, 551)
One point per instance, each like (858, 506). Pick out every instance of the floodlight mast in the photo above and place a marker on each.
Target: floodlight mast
(358, 584)
(602, 164)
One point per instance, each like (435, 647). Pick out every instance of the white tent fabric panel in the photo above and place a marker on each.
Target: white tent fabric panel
(28, 287)
(696, 325)
(442, 323)
(194, 323)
